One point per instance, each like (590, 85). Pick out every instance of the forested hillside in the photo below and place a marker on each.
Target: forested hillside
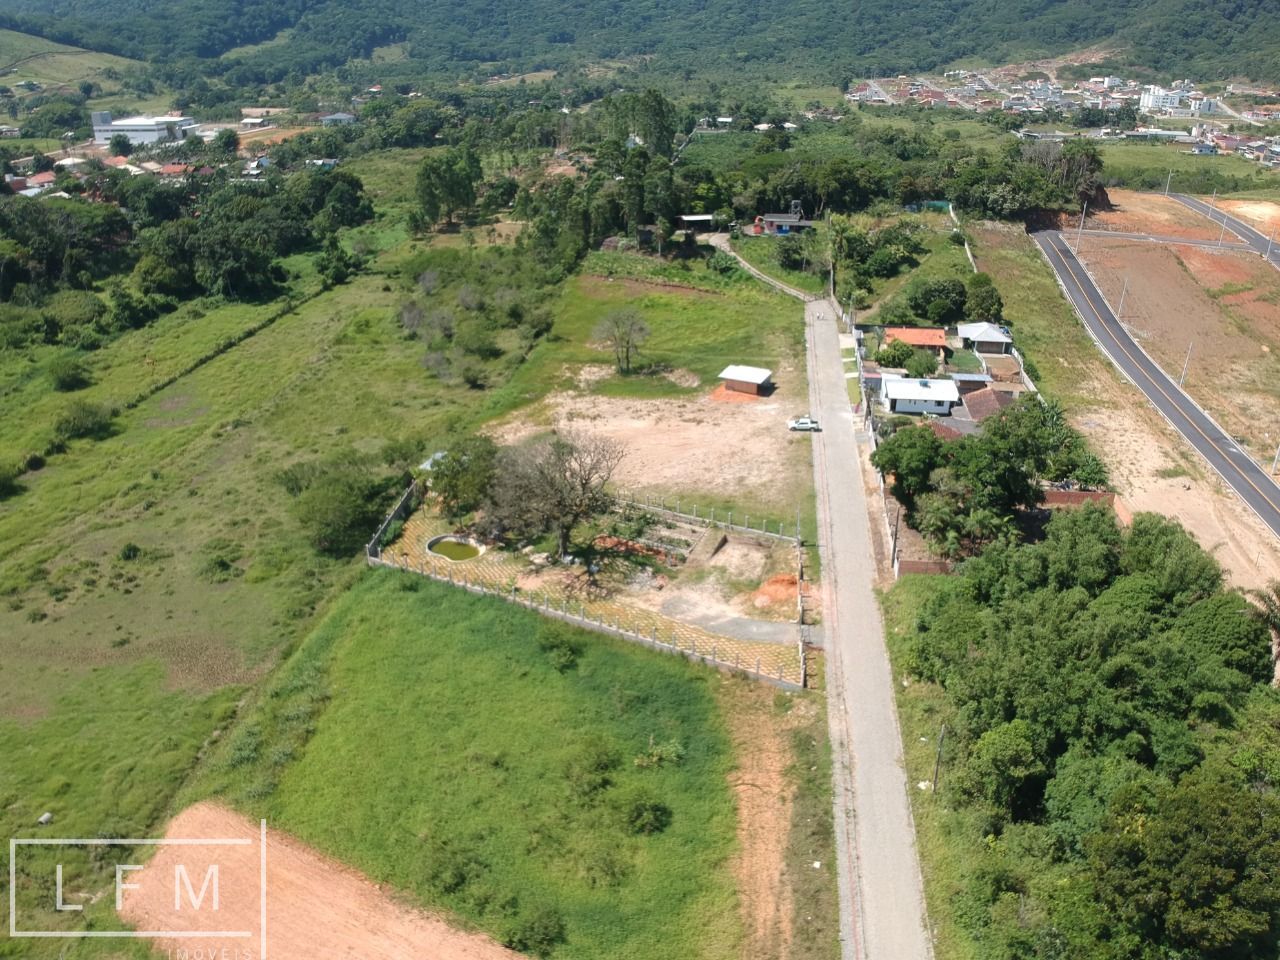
(822, 38)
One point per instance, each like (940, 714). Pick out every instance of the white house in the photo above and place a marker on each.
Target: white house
(141, 129)
(984, 337)
(908, 395)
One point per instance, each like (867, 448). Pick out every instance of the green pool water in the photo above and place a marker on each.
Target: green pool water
(455, 549)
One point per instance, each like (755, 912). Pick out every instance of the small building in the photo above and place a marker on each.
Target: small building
(697, 222)
(907, 395)
(1205, 149)
(985, 337)
(742, 379)
(780, 223)
(338, 119)
(9, 132)
(933, 339)
(255, 123)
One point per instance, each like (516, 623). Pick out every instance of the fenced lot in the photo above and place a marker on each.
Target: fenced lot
(574, 595)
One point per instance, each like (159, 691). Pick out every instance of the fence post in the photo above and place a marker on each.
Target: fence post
(758, 673)
(713, 515)
(730, 520)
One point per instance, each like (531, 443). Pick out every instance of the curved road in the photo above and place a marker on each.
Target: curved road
(1259, 242)
(1242, 474)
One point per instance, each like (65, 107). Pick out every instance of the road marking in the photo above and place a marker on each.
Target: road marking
(1154, 382)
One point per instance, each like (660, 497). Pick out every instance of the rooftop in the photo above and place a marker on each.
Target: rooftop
(916, 336)
(737, 371)
(902, 388)
(986, 403)
(983, 331)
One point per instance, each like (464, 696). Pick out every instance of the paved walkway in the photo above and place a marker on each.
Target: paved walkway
(882, 896)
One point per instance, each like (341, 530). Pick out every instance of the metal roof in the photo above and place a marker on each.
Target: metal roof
(902, 388)
(737, 371)
(983, 331)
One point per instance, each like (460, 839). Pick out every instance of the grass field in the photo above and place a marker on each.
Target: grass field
(26, 57)
(762, 253)
(1147, 167)
(500, 784)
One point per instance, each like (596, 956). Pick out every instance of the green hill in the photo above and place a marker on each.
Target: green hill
(823, 38)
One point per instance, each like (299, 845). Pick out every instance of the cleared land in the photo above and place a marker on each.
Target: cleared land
(311, 900)
(1223, 305)
(26, 57)
(1150, 465)
(1133, 212)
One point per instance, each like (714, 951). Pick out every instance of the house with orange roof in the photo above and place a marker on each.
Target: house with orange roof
(933, 339)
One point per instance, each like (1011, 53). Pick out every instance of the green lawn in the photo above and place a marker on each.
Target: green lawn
(481, 779)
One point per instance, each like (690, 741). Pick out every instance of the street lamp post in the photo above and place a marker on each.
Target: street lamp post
(1186, 363)
(1120, 309)
(1084, 211)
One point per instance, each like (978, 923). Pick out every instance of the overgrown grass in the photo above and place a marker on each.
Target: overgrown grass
(503, 774)
(1147, 167)
(762, 253)
(947, 853)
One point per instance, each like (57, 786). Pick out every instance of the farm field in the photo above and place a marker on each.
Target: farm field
(1151, 467)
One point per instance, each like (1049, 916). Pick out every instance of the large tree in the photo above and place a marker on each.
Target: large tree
(552, 485)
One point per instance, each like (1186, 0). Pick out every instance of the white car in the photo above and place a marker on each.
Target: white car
(804, 423)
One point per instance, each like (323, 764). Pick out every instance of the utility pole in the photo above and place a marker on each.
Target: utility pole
(1120, 309)
(1167, 182)
(1186, 363)
(1084, 211)
(1223, 232)
(1276, 462)
(1270, 243)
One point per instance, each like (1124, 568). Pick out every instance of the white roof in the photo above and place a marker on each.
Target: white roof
(903, 388)
(698, 217)
(988, 332)
(737, 371)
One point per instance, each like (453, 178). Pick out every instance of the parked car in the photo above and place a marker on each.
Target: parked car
(804, 423)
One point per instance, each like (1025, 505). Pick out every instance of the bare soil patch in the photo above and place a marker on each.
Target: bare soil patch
(1225, 306)
(1262, 214)
(316, 907)
(765, 799)
(1134, 212)
(738, 451)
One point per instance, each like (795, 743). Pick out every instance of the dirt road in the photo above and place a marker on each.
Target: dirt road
(308, 907)
(881, 888)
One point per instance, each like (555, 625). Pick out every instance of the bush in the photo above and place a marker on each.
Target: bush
(538, 932)
(896, 354)
(560, 646)
(83, 419)
(8, 480)
(130, 551)
(68, 372)
(643, 813)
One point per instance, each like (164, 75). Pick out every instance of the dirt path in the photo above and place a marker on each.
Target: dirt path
(316, 908)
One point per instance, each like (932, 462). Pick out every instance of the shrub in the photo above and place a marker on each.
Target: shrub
(83, 419)
(130, 551)
(538, 932)
(68, 372)
(561, 648)
(8, 480)
(643, 813)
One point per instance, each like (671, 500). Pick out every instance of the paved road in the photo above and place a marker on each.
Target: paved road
(1246, 478)
(1155, 238)
(1259, 242)
(881, 895)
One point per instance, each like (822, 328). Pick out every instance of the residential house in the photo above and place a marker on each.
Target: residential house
(933, 339)
(8, 132)
(338, 119)
(985, 403)
(908, 395)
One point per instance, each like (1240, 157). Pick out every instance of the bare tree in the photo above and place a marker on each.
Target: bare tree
(553, 484)
(625, 332)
